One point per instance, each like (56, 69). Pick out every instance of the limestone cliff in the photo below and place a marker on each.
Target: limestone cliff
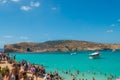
(58, 45)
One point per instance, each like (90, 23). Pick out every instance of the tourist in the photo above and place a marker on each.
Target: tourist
(93, 78)
(25, 77)
(1, 76)
(77, 71)
(105, 74)
(0, 57)
(17, 74)
(83, 74)
(73, 77)
(13, 75)
(14, 57)
(6, 75)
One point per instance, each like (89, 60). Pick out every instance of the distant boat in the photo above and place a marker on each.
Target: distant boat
(73, 53)
(94, 55)
(113, 50)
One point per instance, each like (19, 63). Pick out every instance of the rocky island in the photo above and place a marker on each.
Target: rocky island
(58, 45)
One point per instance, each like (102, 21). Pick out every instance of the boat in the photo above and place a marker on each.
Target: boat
(73, 53)
(113, 50)
(95, 55)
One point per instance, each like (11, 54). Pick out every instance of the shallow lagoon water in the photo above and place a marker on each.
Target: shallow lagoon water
(109, 63)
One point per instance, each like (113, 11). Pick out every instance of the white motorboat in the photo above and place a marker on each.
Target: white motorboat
(94, 55)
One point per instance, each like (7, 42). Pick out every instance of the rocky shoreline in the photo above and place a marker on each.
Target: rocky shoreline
(59, 46)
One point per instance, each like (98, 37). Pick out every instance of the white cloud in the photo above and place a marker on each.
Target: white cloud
(34, 4)
(24, 37)
(113, 25)
(53, 8)
(118, 20)
(3, 1)
(31, 4)
(8, 36)
(15, 0)
(26, 8)
(109, 31)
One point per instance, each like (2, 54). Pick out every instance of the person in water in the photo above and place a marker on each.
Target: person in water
(93, 78)
(14, 57)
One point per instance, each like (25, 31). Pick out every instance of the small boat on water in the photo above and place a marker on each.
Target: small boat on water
(94, 55)
(113, 50)
(73, 53)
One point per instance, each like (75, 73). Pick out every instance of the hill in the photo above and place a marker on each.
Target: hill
(58, 45)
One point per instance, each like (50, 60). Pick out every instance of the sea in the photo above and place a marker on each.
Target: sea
(68, 63)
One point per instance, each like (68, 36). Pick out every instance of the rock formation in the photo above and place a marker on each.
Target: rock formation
(58, 45)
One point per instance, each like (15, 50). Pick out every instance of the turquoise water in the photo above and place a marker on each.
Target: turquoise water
(109, 63)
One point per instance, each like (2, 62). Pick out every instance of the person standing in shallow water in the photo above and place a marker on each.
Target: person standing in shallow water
(73, 77)
(93, 78)
(14, 57)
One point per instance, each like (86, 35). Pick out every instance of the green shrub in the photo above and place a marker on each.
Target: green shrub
(3, 70)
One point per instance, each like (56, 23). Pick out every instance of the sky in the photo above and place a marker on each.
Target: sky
(43, 20)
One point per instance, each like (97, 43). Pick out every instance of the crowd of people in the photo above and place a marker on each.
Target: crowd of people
(24, 70)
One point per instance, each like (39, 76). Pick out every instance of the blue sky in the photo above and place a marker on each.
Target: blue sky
(42, 20)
